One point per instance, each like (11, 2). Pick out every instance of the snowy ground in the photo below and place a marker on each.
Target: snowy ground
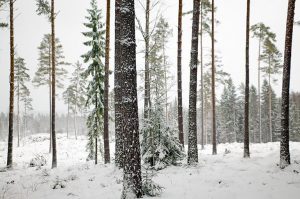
(226, 176)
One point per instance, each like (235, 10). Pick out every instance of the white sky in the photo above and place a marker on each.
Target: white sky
(230, 33)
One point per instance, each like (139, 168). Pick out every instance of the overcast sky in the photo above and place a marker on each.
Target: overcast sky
(230, 34)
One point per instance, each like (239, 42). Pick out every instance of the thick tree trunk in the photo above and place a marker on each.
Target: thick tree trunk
(192, 136)
(117, 88)
(246, 122)
(202, 81)
(179, 75)
(213, 68)
(284, 143)
(132, 181)
(106, 86)
(11, 88)
(50, 97)
(54, 156)
(147, 70)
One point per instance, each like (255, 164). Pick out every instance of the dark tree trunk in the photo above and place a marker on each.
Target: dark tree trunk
(106, 86)
(192, 136)
(147, 72)
(284, 143)
(246, 133)
(117, 88)
(202, 82)
(179, 75)
(214, 130)
(54, 157)
(11, 90)
(132, 181)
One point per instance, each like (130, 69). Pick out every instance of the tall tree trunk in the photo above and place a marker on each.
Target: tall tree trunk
(147, 70)
(179, 75)
(96, 133)
(202, 81)
(165, 78)
(106, 86)
(246, 133)
(258, 87)
(192, 136)
(18, 106)
(54, 156)
(213, 68)
(270, 108)
(68, 118)
(11, 88)
(25, 120)
(284, 143)
(50, 97)
(75, 111)
(132, 181)
(119, 159)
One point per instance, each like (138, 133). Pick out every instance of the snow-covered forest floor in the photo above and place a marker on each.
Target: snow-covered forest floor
(226, 175)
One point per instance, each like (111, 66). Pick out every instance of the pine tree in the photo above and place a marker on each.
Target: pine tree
(21, 77)
(192, 134)
(78, 85)
(253, 115)
(272, 57)
(11, 86)
(160, 147)
(132, 180)
(43, 75)
(95, 73)
(106, 86)
(46, 8)
(68, 96)
(27, 101)
(261, 32)
(246, 122)
(179, 74)
(284, 143)
(228, 111)
(118, 81)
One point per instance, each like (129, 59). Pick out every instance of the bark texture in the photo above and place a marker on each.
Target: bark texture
(192, 136)
(284, 143)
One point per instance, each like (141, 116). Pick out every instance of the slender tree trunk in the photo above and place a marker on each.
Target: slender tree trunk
(214, 130)
(246, 133)
(202, 82)
(166, 79)
(50, 97)
(284, 143)
(192, 136)
(11, 90)
(54, 156)
(132, 180)
(106, 86)
(147, 70)
(270, 109)
(68, 118)
(258, 87)
(96, 133)
(25, 120)
(18, 106)
(179, 75)
(117, 88)
(75, 111)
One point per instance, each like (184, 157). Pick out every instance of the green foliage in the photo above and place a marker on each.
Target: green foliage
(43, 8)
(95, 74)
(43, 74)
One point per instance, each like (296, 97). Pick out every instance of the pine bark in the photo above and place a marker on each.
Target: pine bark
(192, 136)
(132, 181)
(202, 81)
(214, 130)
(11, 90)
(119, 145)
(246, 124)
(179, 75)
(106, 86)
(284, 143)
(18, 107)
(259, 95)
(54, 156)
(147, 70)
